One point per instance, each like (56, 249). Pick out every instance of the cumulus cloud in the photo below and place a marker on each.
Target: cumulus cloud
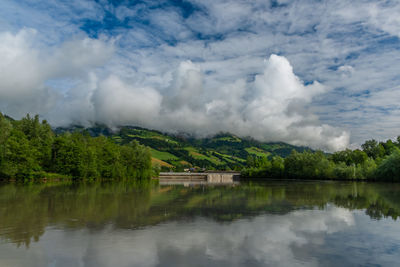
(25, 69)
(117, 103)
(202, 64)
(273, 107)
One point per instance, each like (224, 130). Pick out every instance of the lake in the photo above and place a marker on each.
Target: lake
(272, 223)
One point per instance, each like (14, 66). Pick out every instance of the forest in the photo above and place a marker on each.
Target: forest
(377, 161)
(29, 149)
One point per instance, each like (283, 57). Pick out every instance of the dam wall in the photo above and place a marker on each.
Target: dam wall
(209, 177)
(222, 177)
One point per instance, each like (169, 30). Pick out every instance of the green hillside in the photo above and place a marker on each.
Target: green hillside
(222, 152)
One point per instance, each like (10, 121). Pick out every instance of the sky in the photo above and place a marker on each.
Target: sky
(323, 74)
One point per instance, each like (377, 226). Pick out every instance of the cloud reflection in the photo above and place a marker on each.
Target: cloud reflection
(259, 241)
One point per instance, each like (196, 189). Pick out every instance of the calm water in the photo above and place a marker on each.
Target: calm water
(251, 224)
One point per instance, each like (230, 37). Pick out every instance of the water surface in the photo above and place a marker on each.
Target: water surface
(276, 223)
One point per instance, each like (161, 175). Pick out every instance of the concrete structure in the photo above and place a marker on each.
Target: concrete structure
(201, 177)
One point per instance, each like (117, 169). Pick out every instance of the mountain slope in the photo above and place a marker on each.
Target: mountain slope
(224, 151)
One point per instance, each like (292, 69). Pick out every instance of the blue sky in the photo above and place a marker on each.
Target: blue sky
(317, 73)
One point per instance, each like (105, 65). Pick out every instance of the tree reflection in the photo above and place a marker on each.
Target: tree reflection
(26, 210)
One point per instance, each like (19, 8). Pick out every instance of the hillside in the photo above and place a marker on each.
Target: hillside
(222, 152)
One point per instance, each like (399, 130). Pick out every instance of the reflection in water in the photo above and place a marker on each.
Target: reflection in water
(253, 224)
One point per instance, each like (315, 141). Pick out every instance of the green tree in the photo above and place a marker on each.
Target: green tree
(277, 167)
(137, 160)
(344, 156)
(109, 158)
(20, 158)
(344, 171)
(67, 155)
(5, 129)
(388, 146)
(308, 165)
(357, 157)
(373, 149)
(368, 169)
(389, 169)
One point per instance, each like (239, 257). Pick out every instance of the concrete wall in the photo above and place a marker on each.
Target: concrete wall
(210, 177)
(220, 178)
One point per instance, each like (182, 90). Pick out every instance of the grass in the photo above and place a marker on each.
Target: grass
(117, 139)
(227, 158)
(180, 162)
(273, 147)
(155, 136)
(161, 155)
(230, 158)
(196, 155)
(257, 151)
(184, 162)
(212, 159)
(155, 161)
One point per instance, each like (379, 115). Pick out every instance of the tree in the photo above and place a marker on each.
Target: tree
(344, 156)
(368, 169)
(5, 129)
(389, 146)
(308, 165)
(67, 155)
(108, 157)
(20, 158)
(137, 160)
(343, 171)
(389, 169)
(358, 157)
(277, 167)
(373, 149)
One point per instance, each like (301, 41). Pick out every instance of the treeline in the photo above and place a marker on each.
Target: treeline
(30, 149)
(376, 161)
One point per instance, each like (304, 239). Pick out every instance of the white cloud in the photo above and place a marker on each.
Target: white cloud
(25, 69)
(272, 108)
(346, 71)
(117, 103)
(349, 47)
